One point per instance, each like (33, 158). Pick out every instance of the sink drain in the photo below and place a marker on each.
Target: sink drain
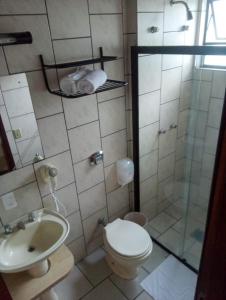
(31, 249)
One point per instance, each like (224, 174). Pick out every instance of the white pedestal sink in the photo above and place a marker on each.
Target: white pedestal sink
(29, 248)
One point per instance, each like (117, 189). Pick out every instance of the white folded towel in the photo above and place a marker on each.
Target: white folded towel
(92, 81)
(68, 84)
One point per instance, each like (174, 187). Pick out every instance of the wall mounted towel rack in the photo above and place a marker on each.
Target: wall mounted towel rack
(109, 84)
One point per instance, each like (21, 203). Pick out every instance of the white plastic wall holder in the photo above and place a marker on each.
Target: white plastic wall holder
(125, 171)
(48, 172)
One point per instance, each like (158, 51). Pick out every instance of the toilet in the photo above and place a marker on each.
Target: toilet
(127, 245)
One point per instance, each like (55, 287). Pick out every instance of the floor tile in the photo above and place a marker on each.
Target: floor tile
(144, 296)
(162, 222)
(157, 256)
(74, 286)
(94, 267)
(172, 240)
(106, 290)
(153, 233)
(174, 211)
(130, 288)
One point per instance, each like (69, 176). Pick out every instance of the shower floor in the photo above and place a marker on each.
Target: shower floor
(168, 228)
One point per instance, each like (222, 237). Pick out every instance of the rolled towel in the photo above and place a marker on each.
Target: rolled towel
(92, 81)
(68, 84)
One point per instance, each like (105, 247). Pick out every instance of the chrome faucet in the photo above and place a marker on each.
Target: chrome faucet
(8, 229)
(21, 225)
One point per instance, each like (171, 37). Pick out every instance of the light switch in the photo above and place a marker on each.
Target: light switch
(17, 133)
(9, 201)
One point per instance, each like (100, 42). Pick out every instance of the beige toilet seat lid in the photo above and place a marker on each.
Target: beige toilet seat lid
(127, 238)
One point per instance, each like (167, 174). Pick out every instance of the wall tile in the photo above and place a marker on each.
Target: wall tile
(84, 141)
(80, 111)
(22, 58)
(166, 189)
(44, 103)
(65, 174)
(11, 82)
(148, 165)
(219, 82)
(28, 148)
(171, 80)
(53, 134)
(1, 99)
(111, 178)
(211, 140)
(28, 199)
(175, 17)
(150, 5)
(75, 227)
(5, 118)
(77, 248)
(72, 49)
(115, 71)
(148, 189)
(67, 196)
(103, 6)
(117, 200)
(172, 39)
(16, 179)
(129, 41)
(103, 26)
(92, 200)
(18, 102)
(215, 112)
(168, 114)
(112, 116)
(149, 73)
(68, 21)
(166, 167)
(91, 228)
(149, 105)
(186, 95)
(149, 137)
(145, 22)
(3, 66)
(12, 7)
(114, 147)
(87, 176)
(129, 16)
(201, 95)
(183, 122)
(167, 143)
(27, 124)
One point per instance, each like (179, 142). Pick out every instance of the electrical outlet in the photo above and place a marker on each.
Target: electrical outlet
(17, 133)
(9, 201)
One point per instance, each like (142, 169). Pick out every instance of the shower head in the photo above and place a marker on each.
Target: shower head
(189, 13)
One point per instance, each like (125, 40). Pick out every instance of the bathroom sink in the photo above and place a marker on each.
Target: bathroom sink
(28, 248)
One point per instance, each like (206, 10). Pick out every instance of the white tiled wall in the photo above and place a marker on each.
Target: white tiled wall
(72, 129)
(165, 84)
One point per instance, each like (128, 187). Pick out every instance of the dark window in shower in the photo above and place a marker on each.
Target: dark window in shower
(215, 32)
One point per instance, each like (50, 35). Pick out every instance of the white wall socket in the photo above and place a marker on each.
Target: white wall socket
(9, 201)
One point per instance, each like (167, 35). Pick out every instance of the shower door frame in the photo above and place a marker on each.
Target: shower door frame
(151, 50)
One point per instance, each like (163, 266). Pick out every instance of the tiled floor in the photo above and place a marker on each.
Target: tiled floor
(168, 228)
(92, 279)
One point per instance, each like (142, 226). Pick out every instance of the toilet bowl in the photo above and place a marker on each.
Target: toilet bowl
(127, 245)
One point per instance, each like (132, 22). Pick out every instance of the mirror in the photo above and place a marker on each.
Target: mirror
(20, 143)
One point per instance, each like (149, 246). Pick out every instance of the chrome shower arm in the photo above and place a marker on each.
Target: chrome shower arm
(189, 13)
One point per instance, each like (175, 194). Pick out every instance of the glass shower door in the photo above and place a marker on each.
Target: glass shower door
(180, 108)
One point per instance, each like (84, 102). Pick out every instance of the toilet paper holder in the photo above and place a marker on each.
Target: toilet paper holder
(96, 158)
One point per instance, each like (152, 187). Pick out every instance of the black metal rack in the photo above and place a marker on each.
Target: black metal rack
(109, 84)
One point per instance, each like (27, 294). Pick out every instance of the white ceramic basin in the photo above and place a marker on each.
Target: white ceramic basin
(24, 249)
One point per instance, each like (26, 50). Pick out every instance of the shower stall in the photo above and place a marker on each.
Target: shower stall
(177, 104)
